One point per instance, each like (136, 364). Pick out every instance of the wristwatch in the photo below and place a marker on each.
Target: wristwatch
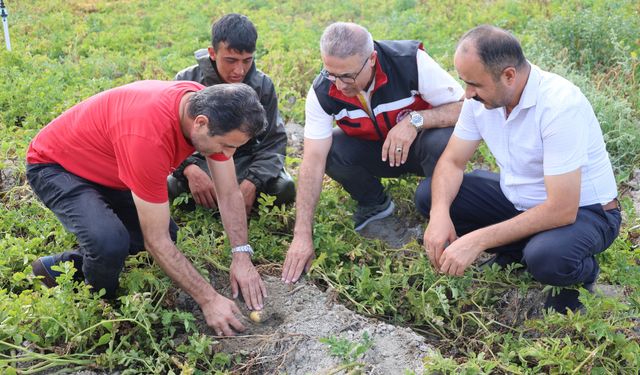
(243, 249)
(416, 120)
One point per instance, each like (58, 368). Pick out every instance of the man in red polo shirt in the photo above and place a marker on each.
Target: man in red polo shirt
(101, 168)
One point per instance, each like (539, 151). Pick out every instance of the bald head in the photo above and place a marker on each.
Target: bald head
(346, 39)
(496, 49)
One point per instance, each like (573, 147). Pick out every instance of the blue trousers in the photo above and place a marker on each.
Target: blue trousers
(357, 163)
(104, 220)
(560, 257)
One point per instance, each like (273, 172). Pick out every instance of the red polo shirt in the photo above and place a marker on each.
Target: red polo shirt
(126, 138)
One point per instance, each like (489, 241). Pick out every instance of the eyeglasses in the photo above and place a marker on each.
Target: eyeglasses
(349, 79)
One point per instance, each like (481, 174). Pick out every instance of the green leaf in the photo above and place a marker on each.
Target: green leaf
(107, 324)
(104, 339)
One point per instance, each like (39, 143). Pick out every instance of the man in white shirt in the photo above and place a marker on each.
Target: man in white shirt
(394, 107)
(553, 205)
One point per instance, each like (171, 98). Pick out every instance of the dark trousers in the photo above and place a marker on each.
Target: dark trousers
(282, 186)
(560, 257)
(357, 164)
(104, 220)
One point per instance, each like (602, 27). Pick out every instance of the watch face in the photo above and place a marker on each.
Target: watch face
(416, 119)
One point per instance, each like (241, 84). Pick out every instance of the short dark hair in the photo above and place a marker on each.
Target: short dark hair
(237, 31)
(496, 47)
(229, 106)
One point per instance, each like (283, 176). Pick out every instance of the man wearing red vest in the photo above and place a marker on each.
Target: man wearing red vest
(101, 167)
(394, 107)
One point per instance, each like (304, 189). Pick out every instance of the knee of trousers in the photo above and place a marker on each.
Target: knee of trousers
(423, 197)
(283, 188)
(430, 146)
(176, 187)
(548, 265)
(107, 248)
(344, 150)
(436, 140)
(336, 168)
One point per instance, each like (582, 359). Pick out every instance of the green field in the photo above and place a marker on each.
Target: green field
(65, 51)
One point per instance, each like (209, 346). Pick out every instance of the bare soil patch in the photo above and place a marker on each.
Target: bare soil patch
(296, 318)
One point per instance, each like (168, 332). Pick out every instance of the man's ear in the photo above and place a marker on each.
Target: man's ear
(509, 75)
(374, 54)
(200, 121)
(212, 53)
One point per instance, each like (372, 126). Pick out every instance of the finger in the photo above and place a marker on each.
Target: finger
(286, 268)
(263, 289)
(253, 296)
(437, 255)
(257, 290)
(398, 154)
(405, 154)
(247, 296)
(299, 267)
(196, 198)
(393, 152)
(236, 324)
(307, 266)
(226, 329)
(385, 149)
(291, 271)
(455, 270)
(446, 264)
(234, 287)
(235, 309)
(207, 198)
(218, 330)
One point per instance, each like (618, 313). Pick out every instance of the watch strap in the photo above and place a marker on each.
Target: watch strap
(242, 249)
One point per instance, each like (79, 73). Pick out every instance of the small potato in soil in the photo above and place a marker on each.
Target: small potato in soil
(256, 316)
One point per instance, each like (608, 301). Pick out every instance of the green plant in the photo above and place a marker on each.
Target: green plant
(348, 351)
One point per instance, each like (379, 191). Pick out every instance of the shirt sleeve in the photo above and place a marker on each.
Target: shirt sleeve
(143, 166)
(318, 123)
(436, 86)
(466, 127)
(565, 133)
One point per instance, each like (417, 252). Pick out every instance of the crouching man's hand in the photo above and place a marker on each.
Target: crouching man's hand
(220, 314)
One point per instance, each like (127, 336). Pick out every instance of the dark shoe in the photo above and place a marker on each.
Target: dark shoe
(568, 298)
(42, 267)
(175, 188)
(591, 286)
(565, 299)
(366, 214)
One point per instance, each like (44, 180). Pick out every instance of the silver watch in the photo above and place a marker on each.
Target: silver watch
(243, 249)
(416, 120)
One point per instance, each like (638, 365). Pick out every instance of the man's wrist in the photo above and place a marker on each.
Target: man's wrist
(416, 119)
(437, 211)
(208, 297)
(242, 249)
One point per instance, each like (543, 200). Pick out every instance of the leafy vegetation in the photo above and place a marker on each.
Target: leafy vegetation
(65, 51)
